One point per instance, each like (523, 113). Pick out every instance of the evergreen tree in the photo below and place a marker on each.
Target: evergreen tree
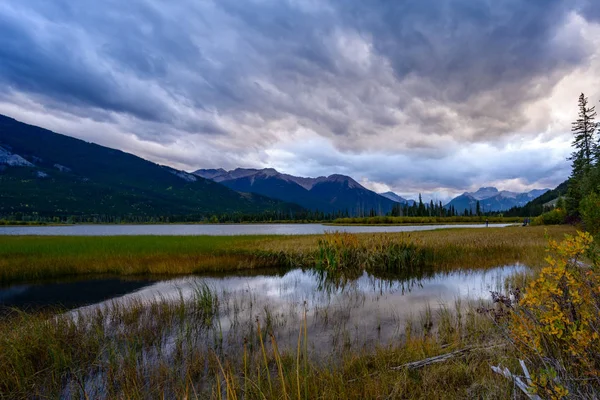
(421, 210)
(586, 152)
(584, 129)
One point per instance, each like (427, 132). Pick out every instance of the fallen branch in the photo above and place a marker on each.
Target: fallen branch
(432, 360)
(517, 379)
(442, 357)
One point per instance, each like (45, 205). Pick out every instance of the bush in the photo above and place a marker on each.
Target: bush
(556, 324)
(554, 217)
(589, 208)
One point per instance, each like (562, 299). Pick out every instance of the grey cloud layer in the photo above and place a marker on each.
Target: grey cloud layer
(418, 76)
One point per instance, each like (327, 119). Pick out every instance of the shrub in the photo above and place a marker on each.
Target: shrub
(554, 217)
(589, 208)
(556, 324)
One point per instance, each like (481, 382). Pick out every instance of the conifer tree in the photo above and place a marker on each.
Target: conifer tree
(585, 155)
(584, 129)
(421, 210)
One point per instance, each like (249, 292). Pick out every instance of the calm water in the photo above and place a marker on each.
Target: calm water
(67, 295)
(364, 312)
(215, 230)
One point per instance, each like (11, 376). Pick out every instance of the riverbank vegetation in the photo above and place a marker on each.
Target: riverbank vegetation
(26, 258)
(431, 220)
(179, 349)
(583, 193)
(22, 223)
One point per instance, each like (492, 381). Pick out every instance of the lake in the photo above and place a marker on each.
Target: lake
(218, 229)
(365, 312)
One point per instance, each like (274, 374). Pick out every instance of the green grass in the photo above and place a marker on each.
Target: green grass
(28, 258)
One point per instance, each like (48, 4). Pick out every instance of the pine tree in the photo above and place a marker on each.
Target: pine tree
(584, 129)
(586, 151)
(421, 211)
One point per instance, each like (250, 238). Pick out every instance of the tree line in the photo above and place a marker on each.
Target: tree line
(20, 218)
(583, 192)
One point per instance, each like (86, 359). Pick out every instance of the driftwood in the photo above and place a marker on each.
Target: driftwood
(517, 379)
(442, 357)
(433, 360)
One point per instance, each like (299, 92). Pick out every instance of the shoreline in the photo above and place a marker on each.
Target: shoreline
(26, 257)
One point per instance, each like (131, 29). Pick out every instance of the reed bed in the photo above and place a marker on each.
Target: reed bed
(218, 345)
(433, 220)
(178, 349)
(33, 258)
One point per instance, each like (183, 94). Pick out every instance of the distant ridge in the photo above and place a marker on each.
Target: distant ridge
(334, 193)
(398, 199)
(492, 199)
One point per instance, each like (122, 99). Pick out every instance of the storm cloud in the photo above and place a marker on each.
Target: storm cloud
(436, 96)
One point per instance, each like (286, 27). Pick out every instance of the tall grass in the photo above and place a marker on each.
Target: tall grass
(343, 256)
(159, 350)
(426, 220)
(31, 258)
(179, 348)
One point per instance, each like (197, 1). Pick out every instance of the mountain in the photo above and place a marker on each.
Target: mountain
(536, 206)
(398, 199)
(491, 199)
(51, 174)
(335, 193)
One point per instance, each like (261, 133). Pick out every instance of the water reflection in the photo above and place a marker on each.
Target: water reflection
(66, 295)
(364, 312)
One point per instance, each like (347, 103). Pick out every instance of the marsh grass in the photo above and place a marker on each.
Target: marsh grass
(159, 349)
(177, 348)
(35, 258)
(433, 220)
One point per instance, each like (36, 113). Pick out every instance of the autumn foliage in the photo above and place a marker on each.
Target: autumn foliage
(556, 323)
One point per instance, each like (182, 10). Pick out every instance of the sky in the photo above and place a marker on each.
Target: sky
(414, 96)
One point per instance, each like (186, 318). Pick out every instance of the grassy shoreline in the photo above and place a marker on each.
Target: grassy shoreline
(24, 258)
(366, 221)
(387, 220)
(166, 350)
(420, 223)
(174, 349)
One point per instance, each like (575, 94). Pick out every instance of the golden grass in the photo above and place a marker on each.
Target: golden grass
(28, 258)
(44, 355)
(426, 220)
(105, 354)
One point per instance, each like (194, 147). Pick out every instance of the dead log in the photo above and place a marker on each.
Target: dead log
(444, 357)
(433, 360)
(525, 387)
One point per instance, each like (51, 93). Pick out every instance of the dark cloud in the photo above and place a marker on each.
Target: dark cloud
(421, 77)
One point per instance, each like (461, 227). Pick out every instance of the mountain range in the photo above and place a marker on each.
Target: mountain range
(398, 199)
(42, 172)
(340, 192)
(51, 174)
(491, 199)
(334, 193)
